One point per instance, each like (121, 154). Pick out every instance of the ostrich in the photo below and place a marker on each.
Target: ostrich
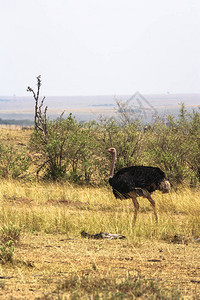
(137, 181)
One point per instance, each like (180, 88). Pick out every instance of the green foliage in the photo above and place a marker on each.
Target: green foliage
(166, 148)
(125, 137)
(13, 163)
(10, 233)
(175, 147)
(68, 151)
(9, 236)
(53, 148)
(77, 152)
(6, 252)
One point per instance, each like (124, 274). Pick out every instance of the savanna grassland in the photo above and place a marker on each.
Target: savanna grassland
(49, 259)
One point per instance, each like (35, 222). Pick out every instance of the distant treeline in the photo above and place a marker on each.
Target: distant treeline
(16, 122)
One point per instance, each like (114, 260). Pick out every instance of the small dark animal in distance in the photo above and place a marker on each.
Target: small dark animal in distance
(102, 235)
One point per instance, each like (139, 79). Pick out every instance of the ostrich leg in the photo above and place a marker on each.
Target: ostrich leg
(154, 207)
(136, 205)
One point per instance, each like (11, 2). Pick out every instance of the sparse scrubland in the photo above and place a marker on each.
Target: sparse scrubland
(54, 185)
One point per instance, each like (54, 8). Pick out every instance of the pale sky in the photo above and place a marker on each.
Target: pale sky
(100, 47)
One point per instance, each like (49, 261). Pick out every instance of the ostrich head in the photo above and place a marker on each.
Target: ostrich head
(113, 152)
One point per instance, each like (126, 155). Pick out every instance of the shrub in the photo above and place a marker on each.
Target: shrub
(65, 146)
(125, 137)
(175, 147)
(13, 163)
(10, 233)
(6, 252)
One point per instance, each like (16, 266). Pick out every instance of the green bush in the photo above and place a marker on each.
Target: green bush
(175, 147)
(77, 152)
(68, 151)
(10, 233)
(6, 252)
(13, 163)
(126, 138)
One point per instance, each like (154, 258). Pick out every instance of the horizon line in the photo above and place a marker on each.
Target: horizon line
(110, 95)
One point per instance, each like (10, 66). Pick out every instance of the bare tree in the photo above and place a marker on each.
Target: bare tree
(40, 117)
(50, 137)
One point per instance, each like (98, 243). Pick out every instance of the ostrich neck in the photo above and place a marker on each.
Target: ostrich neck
(112, 165)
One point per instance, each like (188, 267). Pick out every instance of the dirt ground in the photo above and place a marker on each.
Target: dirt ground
(43, 261)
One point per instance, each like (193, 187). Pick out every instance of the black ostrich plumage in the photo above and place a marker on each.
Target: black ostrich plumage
(135, 178)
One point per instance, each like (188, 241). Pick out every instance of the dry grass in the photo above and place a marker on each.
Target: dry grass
(15, 136)
(69, 209)
(53, 261)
